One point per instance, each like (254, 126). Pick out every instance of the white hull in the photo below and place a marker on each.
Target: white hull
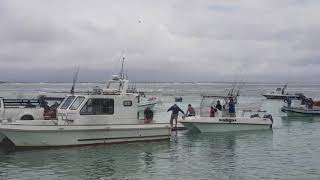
(215, 127)
(227, 124)
(42, 136)
(301, 110)
(280, 96)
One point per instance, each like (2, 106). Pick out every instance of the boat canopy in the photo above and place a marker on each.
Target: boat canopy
(211, 100)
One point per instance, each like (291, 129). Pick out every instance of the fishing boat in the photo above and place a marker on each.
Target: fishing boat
(178, 99)
(221, 121)
(103, 116)
(281, 94)
(306, 106)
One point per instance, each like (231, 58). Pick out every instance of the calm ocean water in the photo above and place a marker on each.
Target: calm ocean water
(289, 151)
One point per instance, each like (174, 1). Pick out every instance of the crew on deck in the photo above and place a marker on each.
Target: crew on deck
(218, 105)
(232, 108)
(148, 115)
(190, 111)
(212, 111)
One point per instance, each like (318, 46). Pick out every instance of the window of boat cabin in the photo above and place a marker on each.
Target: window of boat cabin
(127, 103)
(67, 103)
(113, 85)
(75, 105)
(98, 107)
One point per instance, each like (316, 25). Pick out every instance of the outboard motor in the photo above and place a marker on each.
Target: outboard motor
(269, 116)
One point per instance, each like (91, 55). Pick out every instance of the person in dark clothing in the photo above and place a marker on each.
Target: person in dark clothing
(190, 111)
(174, 115)
(148, 115)
(310, 103)
(218, 105)
(288, 101)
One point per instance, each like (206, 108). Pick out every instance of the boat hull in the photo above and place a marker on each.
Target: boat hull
(301, 111)
(45, 136)
(227, 124)
(280, 97)
(2, 136)
(216, 127)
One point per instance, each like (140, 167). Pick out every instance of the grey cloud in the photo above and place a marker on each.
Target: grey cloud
(163, 40)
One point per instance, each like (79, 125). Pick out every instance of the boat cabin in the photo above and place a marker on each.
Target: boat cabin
(98, 109)
(116, 86)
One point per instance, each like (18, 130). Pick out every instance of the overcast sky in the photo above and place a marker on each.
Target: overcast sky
(175, 40)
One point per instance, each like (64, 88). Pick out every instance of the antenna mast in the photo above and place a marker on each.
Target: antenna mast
(75, 77)
(121, 72)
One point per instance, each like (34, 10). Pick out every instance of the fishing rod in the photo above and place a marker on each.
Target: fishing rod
(75, 77)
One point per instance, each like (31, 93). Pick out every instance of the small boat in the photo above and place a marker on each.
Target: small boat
(100, 117)
(222, 122)
(280, 94)
(178, 99)
(306, 107)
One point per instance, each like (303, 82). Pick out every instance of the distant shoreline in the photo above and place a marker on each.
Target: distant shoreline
(164, 82)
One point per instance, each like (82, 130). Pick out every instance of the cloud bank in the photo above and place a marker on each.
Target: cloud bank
(267, 40)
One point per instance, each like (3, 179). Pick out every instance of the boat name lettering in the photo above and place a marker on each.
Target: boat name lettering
(227, 120)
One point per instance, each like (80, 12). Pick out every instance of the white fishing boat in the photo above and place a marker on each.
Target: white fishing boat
(281, 94)
(222, 122)
(107, 116)
(304, 107)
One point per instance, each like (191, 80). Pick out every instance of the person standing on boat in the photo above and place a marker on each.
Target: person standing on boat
(190, 111)
(218, 105)
(309, 103)
(232, 108)
(148, 115)
(212, 111)
(174, 115)
(288, 100)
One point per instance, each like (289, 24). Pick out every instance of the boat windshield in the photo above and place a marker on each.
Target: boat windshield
(75, 105)
(206, 103)
(113, 85)
(67, 103)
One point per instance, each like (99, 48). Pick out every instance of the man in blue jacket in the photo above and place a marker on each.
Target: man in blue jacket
(232, 108)
(174, 115)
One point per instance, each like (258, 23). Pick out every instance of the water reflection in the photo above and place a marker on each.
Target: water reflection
(119, 160)
(226, 151)
(148, 159)
(287, 120)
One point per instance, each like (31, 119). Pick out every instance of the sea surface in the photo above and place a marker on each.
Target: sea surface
(291, 150)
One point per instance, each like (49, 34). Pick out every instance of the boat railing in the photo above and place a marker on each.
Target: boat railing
(21, 102)
(253, 113)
